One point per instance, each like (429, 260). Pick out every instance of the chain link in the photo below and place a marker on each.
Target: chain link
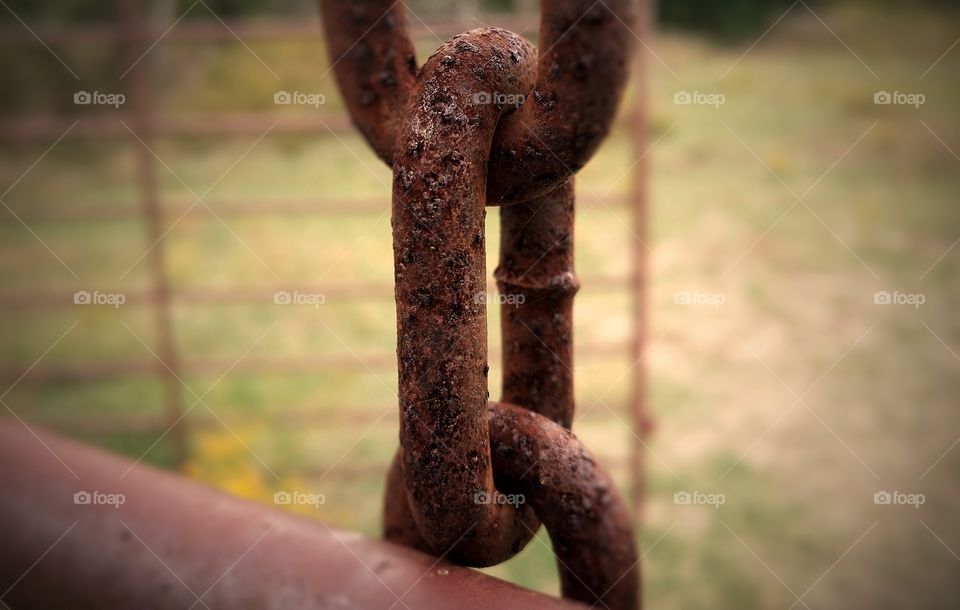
(488, 121)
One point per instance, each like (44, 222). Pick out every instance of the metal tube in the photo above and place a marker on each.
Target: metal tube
(174, 544)
(537, 283)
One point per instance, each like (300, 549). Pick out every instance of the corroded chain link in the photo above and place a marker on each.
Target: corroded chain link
(458, 141)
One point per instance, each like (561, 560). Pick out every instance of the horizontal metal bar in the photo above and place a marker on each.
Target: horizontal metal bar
(264, 295)
(90, 371)
(55, 213)
(45, 127)
(84, 529)
(336, 416)
(248, 296)
(248, 30)
(49, 127)
(102, 212)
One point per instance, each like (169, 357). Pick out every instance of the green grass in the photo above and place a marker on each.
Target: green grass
(798, 312)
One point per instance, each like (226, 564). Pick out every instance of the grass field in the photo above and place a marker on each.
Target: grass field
(792, 393)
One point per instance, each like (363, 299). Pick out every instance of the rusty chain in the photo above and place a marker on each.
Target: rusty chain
(486, 121)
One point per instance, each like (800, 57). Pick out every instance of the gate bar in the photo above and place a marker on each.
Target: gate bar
(173, 541)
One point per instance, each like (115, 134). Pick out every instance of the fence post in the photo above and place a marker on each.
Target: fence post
(640, 272)
(133, 35)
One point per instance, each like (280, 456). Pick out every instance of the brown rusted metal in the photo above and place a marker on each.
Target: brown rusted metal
(532, 455)
(537, 283)
(172, 541)
(581, 73)
(486, 121)
(582, 70)
(589, 525)
(374, 63)
(530, 155)
(439, 261)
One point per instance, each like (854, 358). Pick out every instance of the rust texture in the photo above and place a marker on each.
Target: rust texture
(580, 79)
(588, 522)
(536, 267)
(486, 121)
(374, 64)
(583, 68)
(440, 275)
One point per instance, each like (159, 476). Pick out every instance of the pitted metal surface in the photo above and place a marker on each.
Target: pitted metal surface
(489, 121)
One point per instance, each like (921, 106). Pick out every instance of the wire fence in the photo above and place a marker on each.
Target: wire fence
(140, 123)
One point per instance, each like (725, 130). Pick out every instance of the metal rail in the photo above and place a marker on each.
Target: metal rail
(90, 371)
(229, 30)
(168, 544)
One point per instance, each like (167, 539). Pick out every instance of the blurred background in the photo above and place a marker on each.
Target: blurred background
(195, 272)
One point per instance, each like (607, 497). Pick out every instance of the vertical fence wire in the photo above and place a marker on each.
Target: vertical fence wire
(132, 35)
(641, 419)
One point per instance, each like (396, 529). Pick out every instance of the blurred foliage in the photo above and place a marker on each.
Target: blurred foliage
(723, 20)
(79, 10)
(736, 19)
(732, 19)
